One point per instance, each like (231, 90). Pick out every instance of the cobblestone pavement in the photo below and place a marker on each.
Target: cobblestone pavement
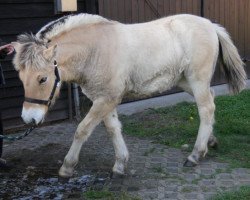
(154, 171)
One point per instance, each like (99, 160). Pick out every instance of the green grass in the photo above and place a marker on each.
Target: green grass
(242, 194)
(178, 125)
(107, 195)
(92, 194)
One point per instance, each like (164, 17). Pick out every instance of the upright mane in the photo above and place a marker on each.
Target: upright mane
(67, 23)
(32, 45)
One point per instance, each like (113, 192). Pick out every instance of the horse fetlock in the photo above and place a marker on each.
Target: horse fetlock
(70, 161)
(67, 168)
(119, 166)
(203, 152)
(125, 157)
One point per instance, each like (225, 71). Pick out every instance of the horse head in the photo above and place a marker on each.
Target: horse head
(37, 68)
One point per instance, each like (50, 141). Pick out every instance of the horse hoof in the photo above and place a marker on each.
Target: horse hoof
(66, 172)
(4, 165)
(189, 163)
(213, 144)
(115, 175)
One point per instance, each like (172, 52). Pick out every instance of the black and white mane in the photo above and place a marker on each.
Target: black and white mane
(67, 23)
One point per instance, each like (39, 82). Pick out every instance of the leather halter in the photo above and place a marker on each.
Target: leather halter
(56, 84)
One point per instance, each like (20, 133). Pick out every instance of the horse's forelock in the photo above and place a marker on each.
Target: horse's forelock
(27, 38)
(30, 54)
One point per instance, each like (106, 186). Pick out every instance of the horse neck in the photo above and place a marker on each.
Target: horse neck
(77, 47)
(71, 60)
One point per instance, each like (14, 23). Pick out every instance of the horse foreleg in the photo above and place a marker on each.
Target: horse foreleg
(98, 111)
(113, 126)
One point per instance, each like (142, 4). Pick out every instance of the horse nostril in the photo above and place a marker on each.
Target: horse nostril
(33, 121)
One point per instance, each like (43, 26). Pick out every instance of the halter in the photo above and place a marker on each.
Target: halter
(56, 84)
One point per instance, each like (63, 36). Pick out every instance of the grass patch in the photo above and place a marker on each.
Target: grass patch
(243, 194)
(92, 194)
(158, 170)
(107, 195)
(178, 125)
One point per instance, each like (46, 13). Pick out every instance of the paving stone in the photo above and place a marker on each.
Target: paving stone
(191, 196)
(241, 176)
(207, 182)
(244, 182)
(221, 165)
(191, 177)
(150, 195)
(209, 195)
(150, 184)
(161, 189)
(173, 188)
(207, 172)
(226, 183)
(161, 195)
(173, 170)
(172, 164)
(224, 176)
(133, 188)
(241, 171)
(171, 195)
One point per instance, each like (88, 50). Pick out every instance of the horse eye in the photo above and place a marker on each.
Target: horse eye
(43, 80)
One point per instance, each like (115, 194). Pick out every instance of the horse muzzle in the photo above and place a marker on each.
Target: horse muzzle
(33, 115)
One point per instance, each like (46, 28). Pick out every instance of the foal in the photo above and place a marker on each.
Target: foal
(110, 60)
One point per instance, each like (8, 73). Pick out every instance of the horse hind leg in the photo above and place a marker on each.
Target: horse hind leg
(183, 84)
(206, 110)
(204, 97)
(113, 126)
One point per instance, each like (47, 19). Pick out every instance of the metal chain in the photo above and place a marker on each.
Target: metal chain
(19, 137)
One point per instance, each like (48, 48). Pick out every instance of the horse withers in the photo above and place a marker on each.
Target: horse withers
(110, 60)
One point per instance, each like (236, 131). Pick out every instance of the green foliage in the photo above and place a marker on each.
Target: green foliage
(178, 125)
(243, 194)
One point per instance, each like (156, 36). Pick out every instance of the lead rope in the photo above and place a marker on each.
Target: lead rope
(19, 137)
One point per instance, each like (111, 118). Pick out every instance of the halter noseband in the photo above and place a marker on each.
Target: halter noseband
(56, 84)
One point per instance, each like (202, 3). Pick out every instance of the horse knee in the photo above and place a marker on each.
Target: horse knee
(113, 126)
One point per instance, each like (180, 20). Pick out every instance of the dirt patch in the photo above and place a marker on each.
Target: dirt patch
(34, 172)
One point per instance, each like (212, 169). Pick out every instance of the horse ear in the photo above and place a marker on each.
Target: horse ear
(16, 46)
(50, 52)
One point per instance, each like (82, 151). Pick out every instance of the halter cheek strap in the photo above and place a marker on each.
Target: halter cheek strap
(56, 84)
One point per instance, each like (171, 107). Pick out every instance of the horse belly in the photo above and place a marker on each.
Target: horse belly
(155, 85)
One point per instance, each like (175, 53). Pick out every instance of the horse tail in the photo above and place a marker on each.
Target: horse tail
(233, 67)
